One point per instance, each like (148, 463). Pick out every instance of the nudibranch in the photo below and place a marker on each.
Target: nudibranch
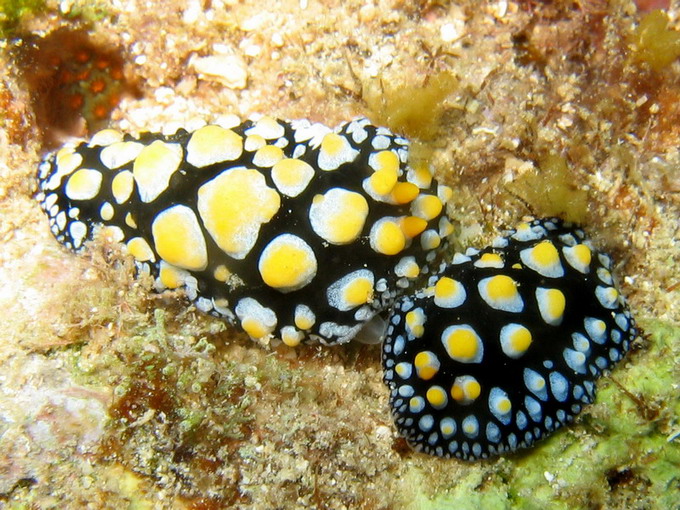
(294, 231)
(504, 345)
(289, 230)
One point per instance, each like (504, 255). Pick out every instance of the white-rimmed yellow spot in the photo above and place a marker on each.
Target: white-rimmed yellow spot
(430, 240)
(106, 211)
(436, 396)
(525, 232)
(130, 220)
(404, 369)
(119, 154)
(515, 340)
(544, 259)
(579, 257)
(415, 322)
(304, 317)
(449, 293)
(500, 405)
(233, 206)
(427, 365)
(287, 263)
(256, 320)
(154, 167)
(105, 137)
(178, 238)
(268, 128)
(404, 192)
(140, 249)
(213, 144)
(445, 227)
(84, 184)
(335, 150)
(426, 207)
(444, 193)
(68, 160)
(420, 174)
(551, 304)
(172, 277)
(463, 344)
(386, 172)
(386, 236)
(291, 336)
(221, 273)
(352, 290)
(607, 296)
(407, 267)
(267, 156)
(489, 260)
(465, 389)
(447, 426)
(416, 404)
(500, 292)
(112, 233)
(122, 185)
(338, 216)
(291, 176)
(254, 142)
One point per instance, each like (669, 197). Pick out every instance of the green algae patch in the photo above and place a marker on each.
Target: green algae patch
(654, 43)
(12, 12)
(411, 110)
(550, 190)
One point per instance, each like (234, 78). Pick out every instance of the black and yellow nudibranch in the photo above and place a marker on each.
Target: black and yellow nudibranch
(505, 344)
(287, 229)
(294, 231)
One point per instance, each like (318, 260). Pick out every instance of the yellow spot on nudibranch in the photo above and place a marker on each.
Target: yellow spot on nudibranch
(140, 249)
(465, 389)
(358, 292)
(463, 344)
(436, 396)
(233, 206)
(426, 207)
(415, 322)
(386, 237)
(221, 273)
(213, 144)
(287, 263)
(412, 226)
(122, 185)
(83, 184)
(551, 304)
(178, 238)
(338, 216)
(153, 168)
(267, 156)
(291, 176)
(427, 365)
(404, 192)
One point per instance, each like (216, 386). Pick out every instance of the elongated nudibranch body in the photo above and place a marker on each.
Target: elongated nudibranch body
(289, 230)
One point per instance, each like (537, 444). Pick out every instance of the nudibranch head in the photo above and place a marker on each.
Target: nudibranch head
(288, 229)
(505, 344)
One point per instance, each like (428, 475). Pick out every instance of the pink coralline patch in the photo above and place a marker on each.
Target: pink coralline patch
(650, 5)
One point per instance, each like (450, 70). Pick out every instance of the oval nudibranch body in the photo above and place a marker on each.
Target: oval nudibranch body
(505, 344)
(289, 230)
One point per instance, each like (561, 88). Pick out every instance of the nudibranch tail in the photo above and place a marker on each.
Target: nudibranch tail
(289, 230)
(505, 344)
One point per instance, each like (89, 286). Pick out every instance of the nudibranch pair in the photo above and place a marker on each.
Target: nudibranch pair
(294, 231)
